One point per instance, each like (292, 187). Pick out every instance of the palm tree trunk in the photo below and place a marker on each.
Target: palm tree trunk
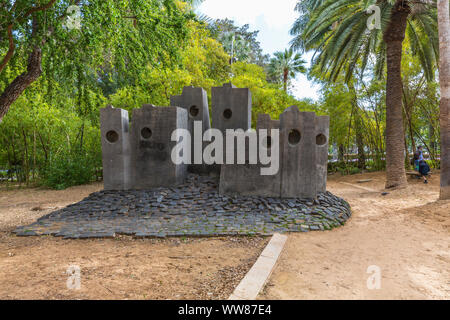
(444, 72)
(285, 79)
(395, 149)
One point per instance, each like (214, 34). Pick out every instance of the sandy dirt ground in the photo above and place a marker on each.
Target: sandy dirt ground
(122, 268)
(405, 234)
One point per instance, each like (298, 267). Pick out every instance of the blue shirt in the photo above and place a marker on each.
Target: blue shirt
(421, 156)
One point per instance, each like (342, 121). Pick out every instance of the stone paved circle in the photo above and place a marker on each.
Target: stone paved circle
(193, 209)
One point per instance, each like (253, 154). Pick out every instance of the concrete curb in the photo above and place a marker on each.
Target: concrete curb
(256, 278)
(359, 187)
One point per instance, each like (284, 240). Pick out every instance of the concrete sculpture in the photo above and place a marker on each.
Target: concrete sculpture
(141, 157)
(195, 102)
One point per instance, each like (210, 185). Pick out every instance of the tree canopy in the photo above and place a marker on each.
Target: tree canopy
(125, 53)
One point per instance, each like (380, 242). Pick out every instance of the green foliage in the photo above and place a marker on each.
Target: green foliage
(51, 135)
(338, 31)
(375, 165)
(36, 136)
(343, 168)
(69, 169)
(204, 64)
(244, 43)
(285, 66)
(266, 97)
(132, 52)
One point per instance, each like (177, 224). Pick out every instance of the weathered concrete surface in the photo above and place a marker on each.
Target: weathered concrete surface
(115, 148)
(231, 108)
(195, 102)
(240, 179)
(144, 159)
(298, 145)
(322, 138)
(151, 147)
(247, 179)
(269, 185)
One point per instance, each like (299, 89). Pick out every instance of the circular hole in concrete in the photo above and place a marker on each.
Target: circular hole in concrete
(146, 133)
(294, 137)
(194, 111)
(227, 114)
(321, 139)
(267, 142)
(112, 136)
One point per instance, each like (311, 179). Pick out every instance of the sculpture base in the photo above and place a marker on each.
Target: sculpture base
(194, 209)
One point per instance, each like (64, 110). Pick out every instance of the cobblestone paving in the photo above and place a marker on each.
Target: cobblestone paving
(193, 209)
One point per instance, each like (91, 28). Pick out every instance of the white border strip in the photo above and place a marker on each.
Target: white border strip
(359, 187)
(256, 278)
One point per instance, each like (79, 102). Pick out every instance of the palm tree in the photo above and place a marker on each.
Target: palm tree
(337, 30)
(444, 74)
(235, 45)
(285, 66)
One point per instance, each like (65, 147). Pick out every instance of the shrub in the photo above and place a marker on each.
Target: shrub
(68, 169)
(344, 168)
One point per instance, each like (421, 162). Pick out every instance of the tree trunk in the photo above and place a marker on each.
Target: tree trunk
(285, 79)
(359, 136)
(444, 73)
(360, 142)
(395, 149)
(23, 81)
(432, 142)
(341, 153)
(34, 69)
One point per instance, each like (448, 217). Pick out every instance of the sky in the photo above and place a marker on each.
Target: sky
(273, 19)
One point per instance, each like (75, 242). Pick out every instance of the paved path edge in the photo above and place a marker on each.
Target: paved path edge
(254, 281)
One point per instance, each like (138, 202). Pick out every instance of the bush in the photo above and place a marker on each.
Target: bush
(375, 165)
(349, 170)
(67, 170)
(344, 168)
(3, 174)
(434, 164)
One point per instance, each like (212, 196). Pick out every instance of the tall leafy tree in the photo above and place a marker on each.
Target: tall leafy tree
(285, 66)
(240, 40)
(444, 73)
(338, 31)
(72, 42)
